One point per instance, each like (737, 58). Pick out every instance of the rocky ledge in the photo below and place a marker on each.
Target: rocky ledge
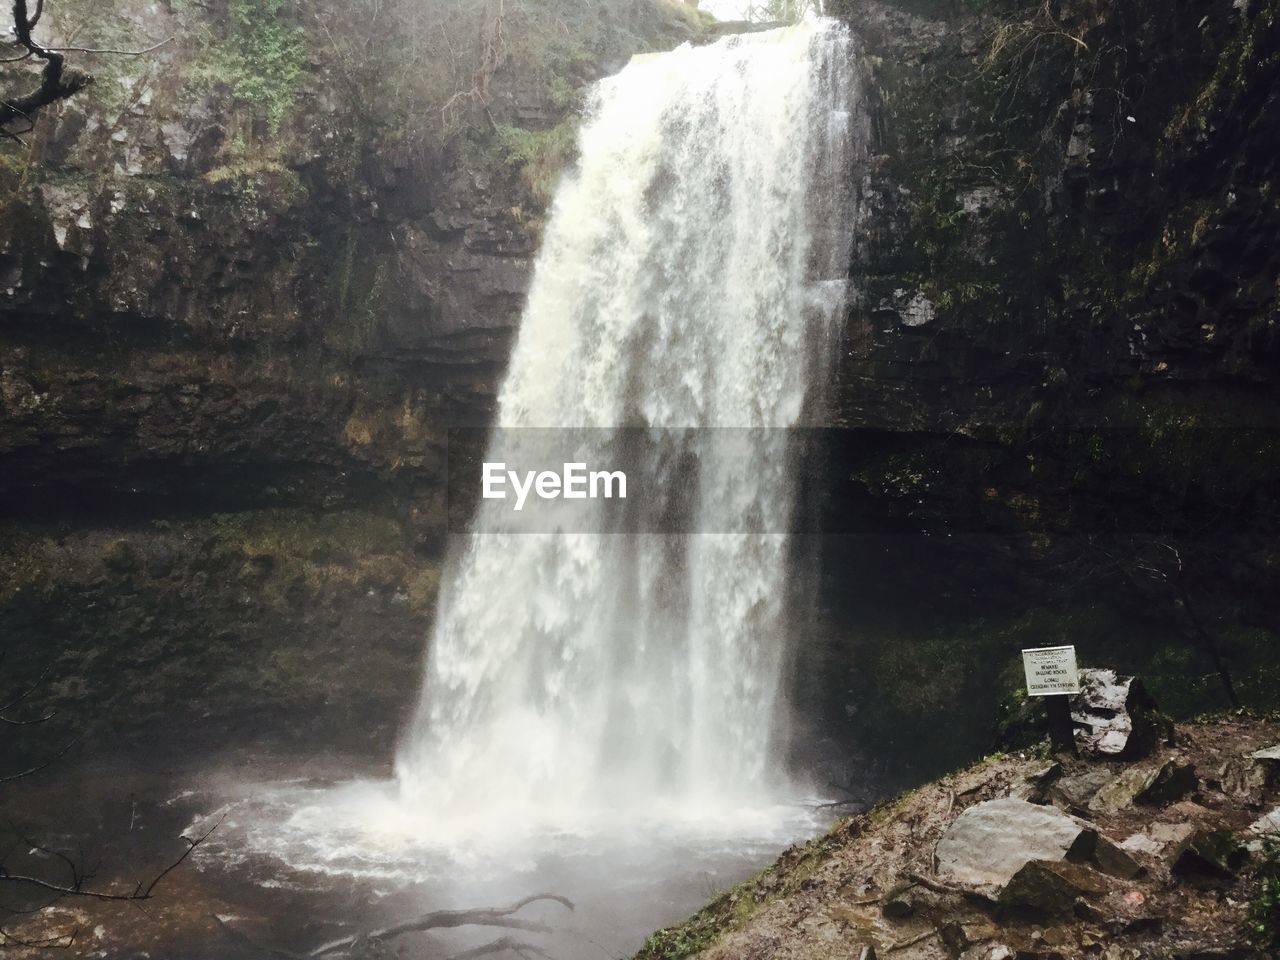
(1173, 855)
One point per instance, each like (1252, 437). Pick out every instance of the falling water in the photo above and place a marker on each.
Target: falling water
(690, 277)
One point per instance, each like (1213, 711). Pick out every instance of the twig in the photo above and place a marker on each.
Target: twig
(903, 944)
(483, 917)
(117, 53)
(937, 886)
(76, 889)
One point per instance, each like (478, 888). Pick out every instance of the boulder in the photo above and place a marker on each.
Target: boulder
(1212, 853)
(1157, 784)
(1050, 888)
(1115, 717)
(990, 842)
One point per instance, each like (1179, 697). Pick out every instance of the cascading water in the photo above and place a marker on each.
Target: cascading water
(690, 277)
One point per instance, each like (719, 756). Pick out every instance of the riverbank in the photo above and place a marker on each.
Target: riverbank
(1181, 817)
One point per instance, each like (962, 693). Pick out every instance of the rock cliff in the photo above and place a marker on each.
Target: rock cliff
(247, 283)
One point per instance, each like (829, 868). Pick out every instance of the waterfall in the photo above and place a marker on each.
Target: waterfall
(691, 276)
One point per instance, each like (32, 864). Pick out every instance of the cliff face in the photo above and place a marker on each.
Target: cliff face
(246, 284)
(1059, 385)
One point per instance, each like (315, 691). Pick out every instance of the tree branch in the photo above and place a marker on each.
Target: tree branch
(56, 81)
(75, 888)
(484, 917)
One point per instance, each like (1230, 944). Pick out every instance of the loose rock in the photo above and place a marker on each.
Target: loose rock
(1156, 784)
(1115, 717)
(1214, 853)
(1050, 888)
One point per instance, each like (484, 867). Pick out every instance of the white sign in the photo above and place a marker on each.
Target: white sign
(1051, 671)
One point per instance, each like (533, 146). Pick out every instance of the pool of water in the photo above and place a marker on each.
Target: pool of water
(626, 876)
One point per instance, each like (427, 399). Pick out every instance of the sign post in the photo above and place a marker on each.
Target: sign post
(1052, 674)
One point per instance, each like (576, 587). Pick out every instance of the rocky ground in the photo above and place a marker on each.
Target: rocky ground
(1030, 856)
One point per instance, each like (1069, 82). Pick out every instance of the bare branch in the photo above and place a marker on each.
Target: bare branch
(9, 778)
(118, 53)
(484, 917)
(56, 81)
(76, 886)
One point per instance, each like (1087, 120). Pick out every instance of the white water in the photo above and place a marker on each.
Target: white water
(691, 276)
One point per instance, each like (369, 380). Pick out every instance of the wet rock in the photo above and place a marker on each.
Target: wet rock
(1115, 717)
(1156, 784)
(1213, 853)
(992, 841)
(1050, 888)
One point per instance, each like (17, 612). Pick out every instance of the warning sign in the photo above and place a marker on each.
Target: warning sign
(1051, 671)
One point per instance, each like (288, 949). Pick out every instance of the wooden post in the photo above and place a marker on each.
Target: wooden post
(1061, 732)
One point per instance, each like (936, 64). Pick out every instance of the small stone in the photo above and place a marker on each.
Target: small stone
(918, 311)
(1141, 843)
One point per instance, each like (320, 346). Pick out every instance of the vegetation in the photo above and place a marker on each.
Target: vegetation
(261, 59)
(1264, 908)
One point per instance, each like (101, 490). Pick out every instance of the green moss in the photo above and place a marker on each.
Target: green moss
(358, 285)
(1233, 74)
(539, 156)
(262, 58)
